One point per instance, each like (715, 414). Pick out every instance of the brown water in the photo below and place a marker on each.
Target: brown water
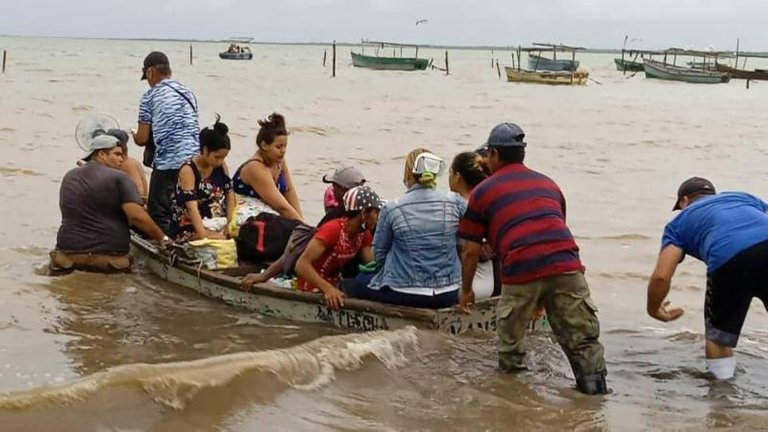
(94, 352)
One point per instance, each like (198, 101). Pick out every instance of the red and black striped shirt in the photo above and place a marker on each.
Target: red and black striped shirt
(522, 214)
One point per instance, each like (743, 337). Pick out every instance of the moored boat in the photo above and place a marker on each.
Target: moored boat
(660, 70)
(757, 74)
(272, 300)
(628, 65)
(546, 77)
(389, 63)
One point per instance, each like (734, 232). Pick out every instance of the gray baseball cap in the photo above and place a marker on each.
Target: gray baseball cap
(346, 177)
(100, 142)
(505, 135)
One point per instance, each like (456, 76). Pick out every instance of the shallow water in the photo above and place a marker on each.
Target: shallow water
(618, 150)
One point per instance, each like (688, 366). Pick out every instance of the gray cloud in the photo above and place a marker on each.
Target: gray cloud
(592, 23)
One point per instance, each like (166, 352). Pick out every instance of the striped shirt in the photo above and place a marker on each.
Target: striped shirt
(174, 121)
(522, 214)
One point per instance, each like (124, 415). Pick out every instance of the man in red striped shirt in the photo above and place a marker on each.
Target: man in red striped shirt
(522, 214)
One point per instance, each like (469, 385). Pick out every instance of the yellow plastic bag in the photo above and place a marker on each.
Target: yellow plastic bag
(215, 254)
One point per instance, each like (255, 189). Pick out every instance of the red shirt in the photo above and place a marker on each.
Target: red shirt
(341, 248)
(522, 214)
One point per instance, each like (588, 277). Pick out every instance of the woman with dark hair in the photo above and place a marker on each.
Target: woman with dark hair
(263, 183)
(467, 171)
(204, 201)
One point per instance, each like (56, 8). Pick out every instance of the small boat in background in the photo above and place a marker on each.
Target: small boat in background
(537, 74)
(757, 74)
(547, 77)
(628, 65)
(661, 70)
(384, 62)
(237, 50)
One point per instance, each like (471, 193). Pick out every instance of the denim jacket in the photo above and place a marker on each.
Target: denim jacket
(415, 240)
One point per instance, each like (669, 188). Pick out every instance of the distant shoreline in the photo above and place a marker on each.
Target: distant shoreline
(342, 43)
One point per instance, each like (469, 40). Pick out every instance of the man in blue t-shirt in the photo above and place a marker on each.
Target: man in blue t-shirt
(168, 117)
(729, 232)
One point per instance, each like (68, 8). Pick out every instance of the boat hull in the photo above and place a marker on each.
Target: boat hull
(236, 56)
(757, 74)
(274, 301)
(538, 63)
(628, 65)
(389, 63)
(547, 77)
(658, 70)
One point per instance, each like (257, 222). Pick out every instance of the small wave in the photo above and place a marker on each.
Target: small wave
(316, 130)
(7, 129)
(82, 108)
(8, 171)
(308, 366)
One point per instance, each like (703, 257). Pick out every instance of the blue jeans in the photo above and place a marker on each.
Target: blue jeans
(358, 288)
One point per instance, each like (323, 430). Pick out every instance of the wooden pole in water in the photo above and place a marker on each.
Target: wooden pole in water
(5, 53)
(325, 54)
(446, 62)
(491, 59)
(498, 69)
(333, 75)
(190, 54)
(747, 83)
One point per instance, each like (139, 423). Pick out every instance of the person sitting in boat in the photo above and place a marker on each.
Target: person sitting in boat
(131, 166)
(204, 201)
(267, 203)
(338, 242)
(414, 246)
(263, 183)
(466, 172)
(98, 202)
(342, 180)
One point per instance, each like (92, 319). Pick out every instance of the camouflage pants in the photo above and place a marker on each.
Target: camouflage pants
(571, 314)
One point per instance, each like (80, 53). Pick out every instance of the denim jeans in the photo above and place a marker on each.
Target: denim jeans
(358, 288)
(162, 186)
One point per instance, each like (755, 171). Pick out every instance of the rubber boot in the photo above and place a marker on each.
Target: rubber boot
(592, 384)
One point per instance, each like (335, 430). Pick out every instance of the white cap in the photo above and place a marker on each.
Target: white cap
(100, 142)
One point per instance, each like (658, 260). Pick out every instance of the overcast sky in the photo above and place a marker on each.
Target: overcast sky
(592, 23)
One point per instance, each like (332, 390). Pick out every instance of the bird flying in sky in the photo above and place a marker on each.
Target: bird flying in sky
(421, 21)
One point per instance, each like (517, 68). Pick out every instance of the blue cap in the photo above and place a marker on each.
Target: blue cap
(506, 135)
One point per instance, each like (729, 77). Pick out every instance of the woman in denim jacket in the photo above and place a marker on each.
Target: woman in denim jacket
(414, 245)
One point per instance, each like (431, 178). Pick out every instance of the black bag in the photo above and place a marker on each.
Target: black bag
(262, 238)
(149, 151)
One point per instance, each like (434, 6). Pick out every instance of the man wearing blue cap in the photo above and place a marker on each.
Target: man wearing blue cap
(522, 214)
(97, 203)
(168, 121)
(729, 232)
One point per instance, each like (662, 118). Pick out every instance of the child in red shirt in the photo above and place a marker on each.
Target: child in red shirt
(337, 242)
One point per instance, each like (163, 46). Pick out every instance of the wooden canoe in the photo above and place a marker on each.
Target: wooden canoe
(546, 77)
(628, 65)
(389, 63)
(757, 74)
(659, 70)
(274, 301)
